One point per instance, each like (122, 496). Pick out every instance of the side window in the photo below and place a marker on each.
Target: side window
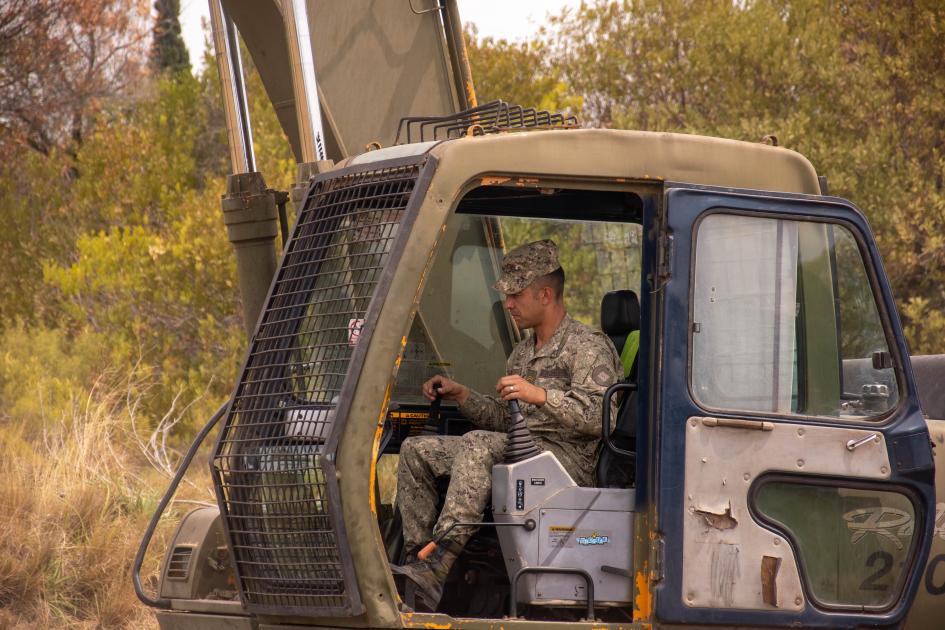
(784, 320)
(865, 389)
(854, 544)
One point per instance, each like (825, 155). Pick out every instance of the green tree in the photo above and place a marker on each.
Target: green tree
(150, 268)
(168, 51)
(855, 87)
(146, 262)
(517, 72)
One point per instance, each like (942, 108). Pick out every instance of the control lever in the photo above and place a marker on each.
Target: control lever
(432, 427)
(515, 410)
(520, 445)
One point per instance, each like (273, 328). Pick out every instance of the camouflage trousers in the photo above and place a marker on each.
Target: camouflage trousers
(467, 460)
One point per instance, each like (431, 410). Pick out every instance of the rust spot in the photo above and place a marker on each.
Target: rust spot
(409, 621)
(378, 432)
(769, 579)
(643, 602)
(718, 519)
(494, 181)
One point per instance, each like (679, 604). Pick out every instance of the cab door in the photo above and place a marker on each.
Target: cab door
(795, 476)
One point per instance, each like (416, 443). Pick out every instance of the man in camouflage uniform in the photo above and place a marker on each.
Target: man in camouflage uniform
(558, 374)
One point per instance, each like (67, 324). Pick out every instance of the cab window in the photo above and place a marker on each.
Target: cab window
(784, 320)
(855, 544)
(462, 329)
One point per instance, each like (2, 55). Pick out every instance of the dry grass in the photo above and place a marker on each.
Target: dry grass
(74, 501)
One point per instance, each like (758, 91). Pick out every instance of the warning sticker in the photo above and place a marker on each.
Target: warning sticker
(423, 415)
(561, 536)
(410, 421)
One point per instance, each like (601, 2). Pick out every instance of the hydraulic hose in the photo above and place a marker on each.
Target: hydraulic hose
(159, 511)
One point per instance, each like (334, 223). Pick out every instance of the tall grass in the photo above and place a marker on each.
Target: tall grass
(75, 495)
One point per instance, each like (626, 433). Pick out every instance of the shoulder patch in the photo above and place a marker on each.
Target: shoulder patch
(603, 376)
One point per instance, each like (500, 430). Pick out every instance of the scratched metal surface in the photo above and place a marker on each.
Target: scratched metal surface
(723, 546)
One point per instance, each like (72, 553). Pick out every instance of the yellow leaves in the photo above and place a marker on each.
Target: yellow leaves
(926, 325)
(856, 88)
(156, 249)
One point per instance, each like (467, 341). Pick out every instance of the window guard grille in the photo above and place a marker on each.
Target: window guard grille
(273, 463)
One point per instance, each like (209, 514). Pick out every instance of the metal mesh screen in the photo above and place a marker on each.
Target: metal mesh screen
(491, 117)
(273, 464)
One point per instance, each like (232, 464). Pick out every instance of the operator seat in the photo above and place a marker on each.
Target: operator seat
(620, 320)
(559, 537)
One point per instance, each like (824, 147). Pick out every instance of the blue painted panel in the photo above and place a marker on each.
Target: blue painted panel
(684, 207)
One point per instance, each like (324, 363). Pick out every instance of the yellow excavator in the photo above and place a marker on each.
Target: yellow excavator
(772, 462)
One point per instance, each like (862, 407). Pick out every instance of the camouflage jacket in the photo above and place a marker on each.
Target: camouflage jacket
(575, 367)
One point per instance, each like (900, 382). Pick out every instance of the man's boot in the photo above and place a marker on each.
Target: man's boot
(428, 576)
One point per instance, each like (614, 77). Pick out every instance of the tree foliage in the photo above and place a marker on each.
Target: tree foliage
(121, 240)
(60, 60)
(855, 87)
(118, 236)
(517, 72)
(168, 51)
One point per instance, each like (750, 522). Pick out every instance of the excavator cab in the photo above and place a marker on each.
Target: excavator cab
(771, 402)
(769, 465)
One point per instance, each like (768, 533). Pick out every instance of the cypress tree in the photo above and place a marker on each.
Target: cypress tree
(168, 51)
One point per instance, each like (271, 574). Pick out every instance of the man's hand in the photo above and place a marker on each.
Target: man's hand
(449, 390)
(514, 387)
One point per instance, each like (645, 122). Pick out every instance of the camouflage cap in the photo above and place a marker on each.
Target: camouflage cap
(525, 263)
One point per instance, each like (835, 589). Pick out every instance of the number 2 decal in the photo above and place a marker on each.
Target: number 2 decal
(885, 560)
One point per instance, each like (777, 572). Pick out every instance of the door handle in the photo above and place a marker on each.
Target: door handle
(852, 445)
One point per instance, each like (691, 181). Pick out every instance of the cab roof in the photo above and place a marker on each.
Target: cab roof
(620, 155)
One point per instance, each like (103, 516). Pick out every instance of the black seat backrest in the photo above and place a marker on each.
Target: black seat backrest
(619, 316)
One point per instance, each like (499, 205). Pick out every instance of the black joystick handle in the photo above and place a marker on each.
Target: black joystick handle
(432, 427)
(520, 445)
(514, 409)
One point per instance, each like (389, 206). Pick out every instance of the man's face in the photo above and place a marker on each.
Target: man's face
(528, 306)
